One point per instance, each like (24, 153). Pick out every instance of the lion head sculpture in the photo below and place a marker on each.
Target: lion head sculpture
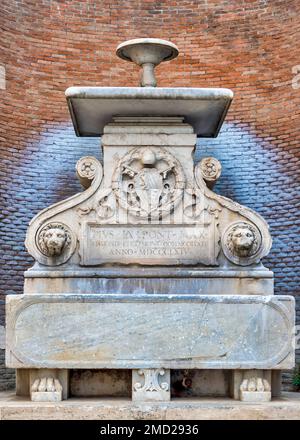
(242, 240)
(53, 239)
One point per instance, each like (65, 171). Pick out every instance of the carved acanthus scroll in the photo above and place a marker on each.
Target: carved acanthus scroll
(50, 239)
(211, 170)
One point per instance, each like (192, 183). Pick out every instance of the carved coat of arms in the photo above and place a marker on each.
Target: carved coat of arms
(148, 183)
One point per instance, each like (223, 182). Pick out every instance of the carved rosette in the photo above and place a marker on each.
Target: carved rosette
(86, 169)
(152, 381)
(56, 243)
(241, 243)
(211, 170)
(148, 183)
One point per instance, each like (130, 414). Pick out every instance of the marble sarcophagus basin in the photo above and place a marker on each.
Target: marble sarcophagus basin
(148, 277)
(134, 331)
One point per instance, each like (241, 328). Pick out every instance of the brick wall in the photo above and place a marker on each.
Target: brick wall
(250, 46)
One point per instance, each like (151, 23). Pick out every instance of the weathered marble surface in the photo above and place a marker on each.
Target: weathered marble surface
(172, 244)
(150, 280)
(150, 331)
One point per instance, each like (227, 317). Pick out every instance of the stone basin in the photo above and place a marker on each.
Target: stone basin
(149, 331)
(91, 108)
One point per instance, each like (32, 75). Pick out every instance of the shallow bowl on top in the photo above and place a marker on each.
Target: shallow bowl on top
(147, 50)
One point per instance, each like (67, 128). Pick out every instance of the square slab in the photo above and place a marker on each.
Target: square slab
(91, 108)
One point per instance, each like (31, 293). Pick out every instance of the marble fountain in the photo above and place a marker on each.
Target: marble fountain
(148, 278)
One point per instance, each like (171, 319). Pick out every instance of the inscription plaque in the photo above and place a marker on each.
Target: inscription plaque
(149, 244)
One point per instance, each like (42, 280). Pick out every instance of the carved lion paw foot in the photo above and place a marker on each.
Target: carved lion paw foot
(46, 389)
(255, 389)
